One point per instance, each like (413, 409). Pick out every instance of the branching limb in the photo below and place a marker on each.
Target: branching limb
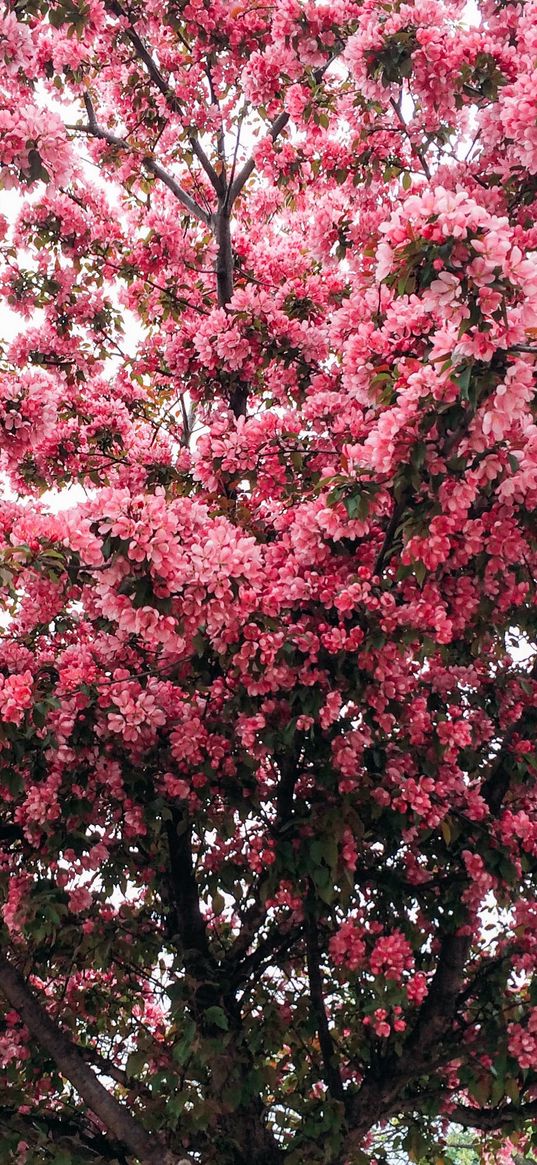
(108, 1068)
(220, 136)
(242, 177)
(189, 919)
(274, 132)
(57, 1044)
(391, 531)
(142, 52)
(10, 832)
(256, 913)
(276, 941)
(252, 919)
(93, 129)
(224, 271)
(212, 987)
(331, 1073)
(438, 1010)
(496, 783)
(504, 1117)
(419, 153)
(57, 1128)
(379, 1096)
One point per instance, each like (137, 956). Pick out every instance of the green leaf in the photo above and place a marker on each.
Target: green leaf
(218, 902)
(217, 1016)
(462, 380)
(418, 455)
(446, 831)
(36, 171)
(183, 1048)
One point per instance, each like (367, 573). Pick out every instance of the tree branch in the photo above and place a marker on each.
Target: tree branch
(158, 79)
(200, 965)
(391, 530)
(275, 130)
(437, 1012)
(190, 922)
(497, 781)
(252, 918)
(58, 1045)
(10, 832)
(211, 987)
(92, 129)
(487, 1119)
(380, 1094)
(108, 1068)
(59, 1127)
(220, 136)
(420, 154)
(242, 177)
(224, 269)
(332, 1076)
(257, 912)
(271, 946)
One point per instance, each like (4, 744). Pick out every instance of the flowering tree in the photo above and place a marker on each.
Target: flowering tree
(268, 845)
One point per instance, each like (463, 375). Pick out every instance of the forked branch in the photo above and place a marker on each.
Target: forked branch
(94, 130)
(57, 1044)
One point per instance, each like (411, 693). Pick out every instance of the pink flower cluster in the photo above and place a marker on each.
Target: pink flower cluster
(33, 132)
(347, 946)
(16, 696)
(382, 1022)
(391, 956)
(522, 1041)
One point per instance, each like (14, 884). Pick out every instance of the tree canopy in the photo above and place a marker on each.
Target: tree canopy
(268, 844)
